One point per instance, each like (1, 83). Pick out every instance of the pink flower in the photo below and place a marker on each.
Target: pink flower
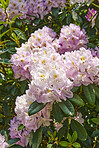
(71, 38)
(91, 16)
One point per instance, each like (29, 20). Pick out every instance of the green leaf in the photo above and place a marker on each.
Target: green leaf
(85, 25)
(92, 33)
(95, 120)
(55, 12)
(21, 126)
(74, 89)
(4, 4)
(95, 133)
(77, 100)
(13, 141)
(68, 19)
(79, 20)
(15, 146)
(36, 21)
(23, 85)
(15, 17)
(87, 142)
(7, 1)
(6, 32)
(18, 22)
(96, 88)
(37, 137)
(19, 33)
(63, 15)
(2, 77)
(6, 109)
(57, 113)
(64, 130)
(49, 145)
(81, 131)
(97, 21)
(76, 145)
(97, 105)
(74, 136)
(69, 137)
(64, 143)
(1, 27)
(74, 15)
(2, 22)
(89, 94)
(35, 107)
(67, 107)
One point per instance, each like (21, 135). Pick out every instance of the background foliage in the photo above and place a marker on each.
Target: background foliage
(86, 99)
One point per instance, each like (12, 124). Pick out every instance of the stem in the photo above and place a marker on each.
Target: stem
(95, 5)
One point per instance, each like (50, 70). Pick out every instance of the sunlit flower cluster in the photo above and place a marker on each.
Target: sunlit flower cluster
(52, 75)
(81, 67)
(71, 38)
(21, 60)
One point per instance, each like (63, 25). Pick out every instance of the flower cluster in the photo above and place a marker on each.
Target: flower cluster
(81, 67)
(24, 134)
(52, 74)
(43, 7)
(17, 7)
(30, 122)
(91, 16)
(33, 8)
(71, 38)
(3, 144)
(21, 60)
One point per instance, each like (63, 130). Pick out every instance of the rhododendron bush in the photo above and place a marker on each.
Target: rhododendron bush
(49, 73)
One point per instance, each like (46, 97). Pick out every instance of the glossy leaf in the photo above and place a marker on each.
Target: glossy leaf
(55, 11)
(77, 100)
(21, 126)
(64, 143)
(13, 141)
(95, 120)
(15, 17)
(96, 88)
(57, 113)
(2, 77)
(69, 137)
(81, 131)
(35, 107)
(89, 93)
(95, 133)
(67, 107)
(74, 136)
(76, 145)
(37, 137)
(15, 146)
(19, 33)
(97, 21)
